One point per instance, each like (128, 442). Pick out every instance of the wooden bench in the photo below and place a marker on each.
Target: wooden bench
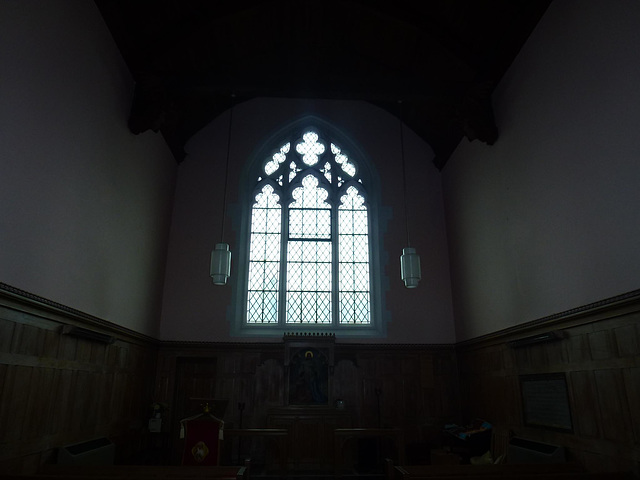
(344, 435)
(279, 436)
(559, 471)
(121, 472)
(128, 476)
(534, 476)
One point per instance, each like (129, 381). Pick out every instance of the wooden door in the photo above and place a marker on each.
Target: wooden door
(195, 386)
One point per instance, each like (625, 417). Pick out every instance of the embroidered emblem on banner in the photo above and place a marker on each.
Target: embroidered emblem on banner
(200, 451)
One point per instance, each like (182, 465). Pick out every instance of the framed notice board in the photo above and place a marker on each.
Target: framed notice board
(545, 401)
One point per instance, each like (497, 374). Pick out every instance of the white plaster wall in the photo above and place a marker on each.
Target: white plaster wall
(84, 204)
(548, 218)
(196, 310)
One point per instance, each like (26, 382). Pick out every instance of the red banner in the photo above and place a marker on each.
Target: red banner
(202, 441)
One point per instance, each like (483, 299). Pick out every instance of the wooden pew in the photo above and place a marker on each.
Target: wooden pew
(426, 471)
(536, 476)
(131, 476)
(344, 435)
(279, 436)
(560, 471)
(121, 472)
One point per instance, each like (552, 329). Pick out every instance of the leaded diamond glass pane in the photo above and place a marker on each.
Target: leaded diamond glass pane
(265, 215)
(342, 160)
(310, 195)
(346, 276)
(354, 308)
(323, 307)
(294, 310)
(264, 258)
(323, 277)
(309, 261)
(294, 252)
(353, 253)
(309, 307)
(270, 167)
(310, 223)
(345, 220)
(354, 276)
(263, 276)
(294, 276)
(254, 307)
(360, 248)
(323, 251)
(360, 223)
(309, 148)
(361, 277)
(259, 219)
(347, 314)
(352, 200)
(354, 248)
(293, 171)
(309, 271)
(309, 213)
(277, 158)
(346, 249)
(270, 308)
(327, 171)
(309, 282)
(262, 307)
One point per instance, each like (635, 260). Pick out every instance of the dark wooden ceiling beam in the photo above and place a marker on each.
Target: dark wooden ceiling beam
(442, 58)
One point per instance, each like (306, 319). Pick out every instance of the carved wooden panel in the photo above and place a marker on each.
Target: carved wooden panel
(311, 441)
(632, 387)
(57, 390)
(415, 387)
(598, 353)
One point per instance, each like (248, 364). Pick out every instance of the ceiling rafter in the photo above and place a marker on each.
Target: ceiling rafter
(442, 57)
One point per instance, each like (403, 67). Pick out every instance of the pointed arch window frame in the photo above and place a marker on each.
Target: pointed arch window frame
(377, 220)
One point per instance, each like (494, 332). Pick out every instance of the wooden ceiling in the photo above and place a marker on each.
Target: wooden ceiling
(443, 58)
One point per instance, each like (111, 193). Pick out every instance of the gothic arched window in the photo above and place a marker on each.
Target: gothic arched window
(308, 263)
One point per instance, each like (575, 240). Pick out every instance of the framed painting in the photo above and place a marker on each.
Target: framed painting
(309, 365)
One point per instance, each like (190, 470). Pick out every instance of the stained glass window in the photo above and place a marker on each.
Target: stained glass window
(309, 258)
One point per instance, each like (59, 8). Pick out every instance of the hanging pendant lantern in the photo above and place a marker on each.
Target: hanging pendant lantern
(220, 264)
(410, 267)
(220, 269)
(409, 260)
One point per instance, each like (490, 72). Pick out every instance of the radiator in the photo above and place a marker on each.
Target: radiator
(93, 452)
(522, 450)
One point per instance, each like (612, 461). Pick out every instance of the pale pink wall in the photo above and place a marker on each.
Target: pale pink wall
(196, 310)
(548, 218)
(84, 204)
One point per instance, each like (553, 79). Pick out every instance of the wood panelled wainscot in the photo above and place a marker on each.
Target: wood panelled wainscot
(596, 350)
(413, 387)
(66, 377)
(311, 442)
(58, 389)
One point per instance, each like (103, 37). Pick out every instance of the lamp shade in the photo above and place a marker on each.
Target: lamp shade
(220, 264)
(410, 267)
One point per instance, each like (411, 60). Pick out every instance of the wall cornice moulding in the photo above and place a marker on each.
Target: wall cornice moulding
(181, 345)
(22, 301)
(593, 312)
(26, 302)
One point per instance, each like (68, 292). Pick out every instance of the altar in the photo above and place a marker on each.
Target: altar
(311, 440)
